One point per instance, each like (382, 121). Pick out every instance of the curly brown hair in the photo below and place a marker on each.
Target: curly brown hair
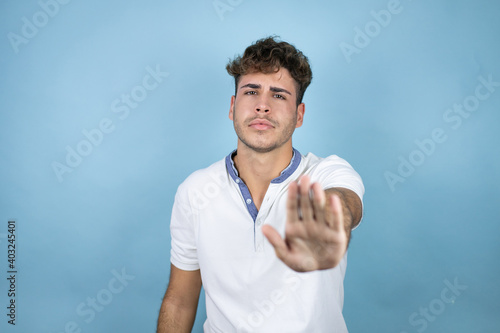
(268, 55)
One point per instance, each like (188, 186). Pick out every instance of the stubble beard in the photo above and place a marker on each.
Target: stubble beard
(262, 145)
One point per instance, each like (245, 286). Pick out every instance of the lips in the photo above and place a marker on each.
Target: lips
(261, 124)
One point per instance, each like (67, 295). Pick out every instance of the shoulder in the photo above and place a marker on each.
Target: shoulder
(313, 162)
(333, 171)
(215, 174)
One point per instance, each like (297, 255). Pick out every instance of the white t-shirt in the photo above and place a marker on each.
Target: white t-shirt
(216, 228)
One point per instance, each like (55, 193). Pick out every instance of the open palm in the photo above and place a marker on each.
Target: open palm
(315, 236)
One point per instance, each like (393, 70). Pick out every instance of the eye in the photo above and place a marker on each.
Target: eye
(251, 92)
(279, 96)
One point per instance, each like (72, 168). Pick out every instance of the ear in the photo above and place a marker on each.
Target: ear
(301, 109)
(231, 108)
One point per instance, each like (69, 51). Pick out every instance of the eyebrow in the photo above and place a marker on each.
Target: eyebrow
(258, 86)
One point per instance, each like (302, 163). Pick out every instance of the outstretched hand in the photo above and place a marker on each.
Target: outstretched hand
(315, 235)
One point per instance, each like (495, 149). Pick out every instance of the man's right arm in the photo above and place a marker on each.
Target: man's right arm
(178, 310)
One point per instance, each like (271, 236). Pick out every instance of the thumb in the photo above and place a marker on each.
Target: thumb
(275, 239)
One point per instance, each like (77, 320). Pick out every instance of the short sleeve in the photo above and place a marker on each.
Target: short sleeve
(334, 171)
(183, 254)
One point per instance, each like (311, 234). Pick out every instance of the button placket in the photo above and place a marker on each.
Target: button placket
(258, 232)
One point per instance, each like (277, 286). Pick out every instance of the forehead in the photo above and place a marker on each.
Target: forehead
(280, 79)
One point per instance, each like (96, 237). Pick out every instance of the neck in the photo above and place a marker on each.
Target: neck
(258, 169)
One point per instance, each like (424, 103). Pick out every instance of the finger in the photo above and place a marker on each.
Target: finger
(305, 199)
(292, 203)
(276, 241)
(318, 203)
(337, 213)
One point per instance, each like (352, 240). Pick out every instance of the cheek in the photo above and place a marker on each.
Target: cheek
(241, 108)
(237, 112)
(242, 103)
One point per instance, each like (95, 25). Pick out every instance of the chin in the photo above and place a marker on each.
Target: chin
(263, 147)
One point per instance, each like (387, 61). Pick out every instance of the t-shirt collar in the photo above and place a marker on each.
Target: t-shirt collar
(294, 163)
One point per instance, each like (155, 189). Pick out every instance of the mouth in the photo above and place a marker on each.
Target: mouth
(261, 124)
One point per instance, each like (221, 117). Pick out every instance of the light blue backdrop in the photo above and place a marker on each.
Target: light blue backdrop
(389, 81)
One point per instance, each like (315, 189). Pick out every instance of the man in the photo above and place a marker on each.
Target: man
(304, 206)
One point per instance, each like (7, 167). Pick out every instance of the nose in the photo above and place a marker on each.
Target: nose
(262, 106)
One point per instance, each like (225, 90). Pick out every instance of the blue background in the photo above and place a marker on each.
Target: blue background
(112, 211)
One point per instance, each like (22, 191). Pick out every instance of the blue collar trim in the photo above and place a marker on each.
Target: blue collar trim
(245, 192)
(294, 164)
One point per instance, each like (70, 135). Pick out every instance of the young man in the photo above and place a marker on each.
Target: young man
(266, 229)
